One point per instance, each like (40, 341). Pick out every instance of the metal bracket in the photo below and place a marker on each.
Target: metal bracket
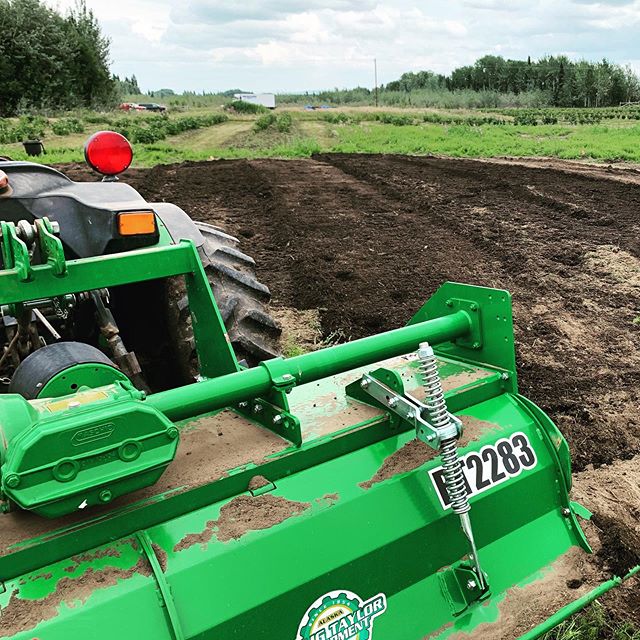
(280, 379)
(385, 387)
(51, 247)
(461, 587)
(474, 339)
(15, 253)
(273, 414)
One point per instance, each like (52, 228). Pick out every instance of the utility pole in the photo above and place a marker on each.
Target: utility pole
(375, 75)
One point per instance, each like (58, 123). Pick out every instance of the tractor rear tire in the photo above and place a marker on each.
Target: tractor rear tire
(241, 298)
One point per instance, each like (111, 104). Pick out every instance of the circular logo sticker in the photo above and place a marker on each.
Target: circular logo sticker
(341, 615)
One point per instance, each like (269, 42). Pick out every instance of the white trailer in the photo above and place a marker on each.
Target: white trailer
(265, 99)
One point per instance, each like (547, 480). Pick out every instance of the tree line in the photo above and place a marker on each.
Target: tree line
(50, 61)
(564, 82)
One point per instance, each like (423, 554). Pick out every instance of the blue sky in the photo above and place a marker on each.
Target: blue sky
(286, 45)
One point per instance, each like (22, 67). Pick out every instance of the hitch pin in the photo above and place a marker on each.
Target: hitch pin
(46, 323)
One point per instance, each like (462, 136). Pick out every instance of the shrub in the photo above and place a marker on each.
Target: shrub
(265, 121)
(239, 106)
(284, 122)
(155, 128)
(26, 128)
(396, 119)
(65, 126)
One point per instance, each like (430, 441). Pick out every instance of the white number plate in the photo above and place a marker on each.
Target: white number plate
(492, 465)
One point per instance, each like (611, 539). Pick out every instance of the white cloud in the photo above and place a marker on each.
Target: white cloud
(293, 45)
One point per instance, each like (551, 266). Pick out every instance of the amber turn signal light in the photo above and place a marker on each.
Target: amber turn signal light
(136, 223)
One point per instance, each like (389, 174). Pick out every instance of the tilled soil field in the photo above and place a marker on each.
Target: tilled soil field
(367, 239)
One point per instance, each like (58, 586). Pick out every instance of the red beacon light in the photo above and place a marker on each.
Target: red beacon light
(108, 153)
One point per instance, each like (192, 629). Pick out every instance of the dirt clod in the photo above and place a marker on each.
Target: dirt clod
(257, 482)
(244, 514)
(415, 453)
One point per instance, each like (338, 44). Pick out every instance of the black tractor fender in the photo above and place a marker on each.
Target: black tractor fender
(179, 225)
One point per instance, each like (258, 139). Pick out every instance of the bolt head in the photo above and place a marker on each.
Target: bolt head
(12, 480)
(277, 419)
(257, 408)
(504, 375)
(364, 383)
(471, 584)
(476, 345)
(449, 303)
(105, 495)
(244, 404)
(392, 402)
(566, 512)
(172, 432)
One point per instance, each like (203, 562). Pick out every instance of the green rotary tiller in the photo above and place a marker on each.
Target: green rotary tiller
(397, 485)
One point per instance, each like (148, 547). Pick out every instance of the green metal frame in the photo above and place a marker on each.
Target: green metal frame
(21, 281)
(392, 537)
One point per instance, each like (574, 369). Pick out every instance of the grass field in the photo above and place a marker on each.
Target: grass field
(365, 130)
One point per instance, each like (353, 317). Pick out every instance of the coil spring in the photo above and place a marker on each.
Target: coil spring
(434, 395)
(454, 476)
(439, 415)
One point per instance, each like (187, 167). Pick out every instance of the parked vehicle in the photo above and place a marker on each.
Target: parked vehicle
(265, 99)
(131, 106)
(152, 106)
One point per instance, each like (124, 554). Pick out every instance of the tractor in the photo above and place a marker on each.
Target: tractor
(164, 473)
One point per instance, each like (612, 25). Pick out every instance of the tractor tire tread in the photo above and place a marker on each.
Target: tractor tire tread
(241, 298)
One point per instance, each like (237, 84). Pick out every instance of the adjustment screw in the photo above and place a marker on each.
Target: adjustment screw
(104, 495)
(12, 480)
(473, 306)
(257, 408)
(364, 383)
(449, 303)
(471, 584)
(172, 432)
(566, 512)
(277, 419)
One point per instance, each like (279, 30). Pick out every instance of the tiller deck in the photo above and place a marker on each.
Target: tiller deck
(396, 485)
